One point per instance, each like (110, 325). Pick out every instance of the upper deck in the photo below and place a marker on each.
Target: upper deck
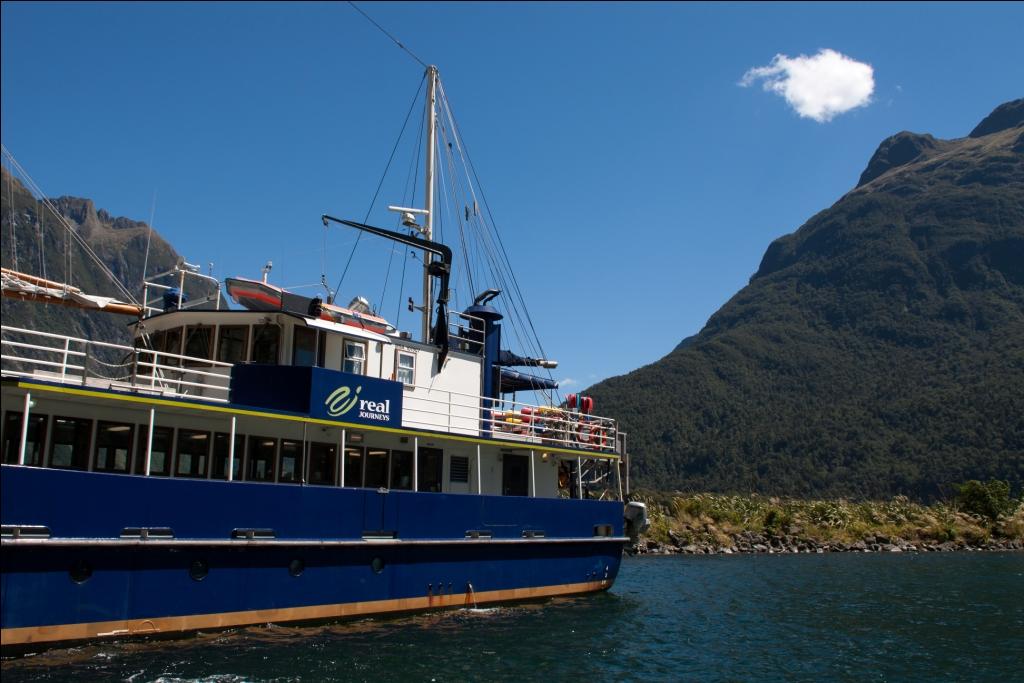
(190, 354)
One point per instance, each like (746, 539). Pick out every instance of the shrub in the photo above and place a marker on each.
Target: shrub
(988, 500)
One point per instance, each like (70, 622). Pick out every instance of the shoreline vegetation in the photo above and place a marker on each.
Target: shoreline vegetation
(981, 517)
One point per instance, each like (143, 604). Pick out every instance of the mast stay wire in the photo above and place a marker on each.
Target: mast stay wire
(34, 189)
(381, 183)
(493, 233)
(396, 41)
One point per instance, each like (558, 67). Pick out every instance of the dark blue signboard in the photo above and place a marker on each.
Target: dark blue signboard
(319, 393)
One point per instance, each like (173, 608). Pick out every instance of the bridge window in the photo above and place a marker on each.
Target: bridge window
(261, 458)
(233, 343)
(353, 467)
(376, 468)
(160, 458)
(430, 468)
(266, 339)
(113, 447)
(70, 447)
(33, 443)
(291, 461)
(303, 347)
(355, 357)
(199, 341)
(221, 443)
(405, 368)
(401, 470)
(171, 344)
(193, 453)
(322, 463)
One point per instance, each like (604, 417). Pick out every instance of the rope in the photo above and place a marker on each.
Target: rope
(381, 183)
(384, 31)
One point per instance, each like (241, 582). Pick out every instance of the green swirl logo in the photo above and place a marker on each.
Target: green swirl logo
(342, 400)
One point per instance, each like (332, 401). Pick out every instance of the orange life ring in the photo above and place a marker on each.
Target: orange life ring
(592, 435)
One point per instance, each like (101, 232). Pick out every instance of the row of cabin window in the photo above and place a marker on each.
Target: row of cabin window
(308, 347)
(197, 455)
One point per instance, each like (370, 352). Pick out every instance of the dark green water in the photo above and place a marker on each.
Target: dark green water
(845, 617)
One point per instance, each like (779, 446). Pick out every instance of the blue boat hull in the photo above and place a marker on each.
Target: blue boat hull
(334, 552)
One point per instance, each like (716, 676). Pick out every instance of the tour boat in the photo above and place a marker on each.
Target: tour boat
(288, 463)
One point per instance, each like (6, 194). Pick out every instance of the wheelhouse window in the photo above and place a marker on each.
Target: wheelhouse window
(405, 368)
(266, 339)
(160, 458)
(376, 475)
(431, 465)
(199, 341)
(355, 357)
(304, 346)
(113, 447)
(70, 443)
(193, 453)
(262, 451)
(291, 461)
(35, 436)
(322, 463)
(401, 470)
(353, 467)
(172, 344)
(233, 343)
(221, 443)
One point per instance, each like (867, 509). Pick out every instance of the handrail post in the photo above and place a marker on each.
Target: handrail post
(416, 463)
(24, 428)
(479, 475)
(579, 477)
(231, 450)
(533, 475)
(85, 365)
(149, 440)
(64, 361)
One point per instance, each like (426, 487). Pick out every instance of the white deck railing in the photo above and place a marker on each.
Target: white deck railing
(71, 360)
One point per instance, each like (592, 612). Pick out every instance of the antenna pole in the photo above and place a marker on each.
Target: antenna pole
(428, 232)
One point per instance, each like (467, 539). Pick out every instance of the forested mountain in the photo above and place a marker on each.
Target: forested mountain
(877, 350)
(35, 242)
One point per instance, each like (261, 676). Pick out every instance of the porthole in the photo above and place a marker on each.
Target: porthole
(198, 570)
(296, 567)
(377, 565)
(80, 571)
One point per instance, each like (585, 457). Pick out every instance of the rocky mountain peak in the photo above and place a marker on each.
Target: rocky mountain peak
(1006, 115)
(898, 150)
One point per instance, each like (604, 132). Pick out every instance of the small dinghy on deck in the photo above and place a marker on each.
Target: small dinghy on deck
(255, 295)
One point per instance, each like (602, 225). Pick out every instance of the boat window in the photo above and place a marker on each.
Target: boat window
(303, 346)
(220, 455)
(322, 463)
(233, 343)
(353, 467)
(113, 447)
(321, 349)
(405, 368)
(193, 453)
(70, 443)
(430, 467)
(160, 458)
(264, 344)
(199, 341)
(291, 461)
(458, 469)
(34, 438)
(261, 458)
(355, 357)
(401, 470)
(515, 475)
(172, 344)
(376, 475)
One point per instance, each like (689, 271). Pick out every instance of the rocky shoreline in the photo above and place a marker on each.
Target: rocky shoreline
(793, 542)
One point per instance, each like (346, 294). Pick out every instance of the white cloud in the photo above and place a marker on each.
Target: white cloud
(566, 383)
(818, 87)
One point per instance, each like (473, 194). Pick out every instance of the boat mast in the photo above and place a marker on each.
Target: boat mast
(428, 230)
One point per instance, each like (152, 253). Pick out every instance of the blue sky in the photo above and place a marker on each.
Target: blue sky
(635, 182)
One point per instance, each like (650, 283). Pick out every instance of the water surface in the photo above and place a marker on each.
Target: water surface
(845, 617)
